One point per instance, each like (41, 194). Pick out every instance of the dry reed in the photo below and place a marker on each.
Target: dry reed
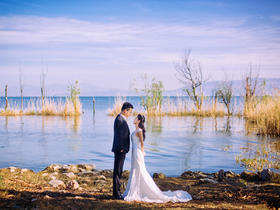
(180, 107)
(117, 106)
(50, 107)
(266, 116)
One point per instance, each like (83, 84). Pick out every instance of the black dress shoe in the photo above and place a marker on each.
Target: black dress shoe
(118, 197)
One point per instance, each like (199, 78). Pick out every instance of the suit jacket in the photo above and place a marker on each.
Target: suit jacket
(121, 135)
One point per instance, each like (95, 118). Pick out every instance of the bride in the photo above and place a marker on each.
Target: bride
(141, 186)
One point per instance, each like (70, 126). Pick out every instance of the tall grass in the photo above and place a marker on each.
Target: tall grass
(179, 107)
(265, 114)
(184, 107)
(116, 109)
(49, 107)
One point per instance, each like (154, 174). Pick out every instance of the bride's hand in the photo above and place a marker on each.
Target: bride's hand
(144, 153)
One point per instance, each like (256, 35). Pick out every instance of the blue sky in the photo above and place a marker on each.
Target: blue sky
(107, 44)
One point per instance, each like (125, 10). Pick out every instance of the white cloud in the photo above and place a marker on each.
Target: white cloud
(275, 17)
(114, 48)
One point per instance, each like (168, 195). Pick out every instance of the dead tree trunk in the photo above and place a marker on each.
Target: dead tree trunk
(6, 97)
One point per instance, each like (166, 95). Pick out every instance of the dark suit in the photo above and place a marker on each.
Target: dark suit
(121, 142)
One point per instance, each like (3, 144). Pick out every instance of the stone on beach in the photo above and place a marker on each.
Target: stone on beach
(53, 168)
(73, 184)
(188, 174)
(70, 175)
(221, 175)
(87, 173)
(12, 169)
(207, 180)
(25, 170)
(57, 183)
(86, 167)
(159, 175)
(265, 175)
(248, 176)
(230, 174)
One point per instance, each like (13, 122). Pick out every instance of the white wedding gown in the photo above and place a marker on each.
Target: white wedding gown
(141, 186)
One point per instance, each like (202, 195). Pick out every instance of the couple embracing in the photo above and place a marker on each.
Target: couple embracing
(140, 186)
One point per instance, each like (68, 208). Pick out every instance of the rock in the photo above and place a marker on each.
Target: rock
(86, 167)
(248, 176)
(207, 180)
(64, 168)
(106, 173)
(221, 175)
(87, 173)
(47, 197)
(90, 167)
(73, 168)
(230, 174)
(158, 176)
(12, 169)
(53, 175)
(53, 167)
(24, 170)
(201, 175)
(73, 184)
(57, 183)
(187, 174)
(71, 175)
(265, 175)
(44, 174)
(100, 177)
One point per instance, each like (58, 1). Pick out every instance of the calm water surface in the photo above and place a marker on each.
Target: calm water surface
(173, 144)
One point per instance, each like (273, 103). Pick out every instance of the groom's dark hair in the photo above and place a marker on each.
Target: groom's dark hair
(126, 105)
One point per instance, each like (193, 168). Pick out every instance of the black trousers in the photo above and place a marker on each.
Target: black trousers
(118, 169)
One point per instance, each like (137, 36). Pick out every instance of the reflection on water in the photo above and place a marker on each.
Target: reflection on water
(226, 128)
(256, 157)
(173, 144)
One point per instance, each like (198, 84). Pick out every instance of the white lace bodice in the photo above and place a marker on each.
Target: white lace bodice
(135, 139)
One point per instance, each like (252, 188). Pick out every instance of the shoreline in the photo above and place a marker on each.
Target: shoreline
(82, 186)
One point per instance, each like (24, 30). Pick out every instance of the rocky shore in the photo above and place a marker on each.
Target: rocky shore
(82, 186)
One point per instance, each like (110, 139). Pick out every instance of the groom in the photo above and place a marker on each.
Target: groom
(120, 146)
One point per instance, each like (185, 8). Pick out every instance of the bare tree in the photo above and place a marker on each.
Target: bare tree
(6, 97)
(224, 94)
(190, 75)
(42, 80)
(251, 82)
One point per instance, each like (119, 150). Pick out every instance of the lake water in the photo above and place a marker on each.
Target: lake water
(173, 144)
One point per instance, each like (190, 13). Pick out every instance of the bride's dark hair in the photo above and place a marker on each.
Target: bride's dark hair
(141, 124)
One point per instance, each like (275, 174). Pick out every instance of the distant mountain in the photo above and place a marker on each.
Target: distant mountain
(238, 87)
(91, 90)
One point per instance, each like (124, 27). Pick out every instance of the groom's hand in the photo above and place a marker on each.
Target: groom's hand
(121, 150)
